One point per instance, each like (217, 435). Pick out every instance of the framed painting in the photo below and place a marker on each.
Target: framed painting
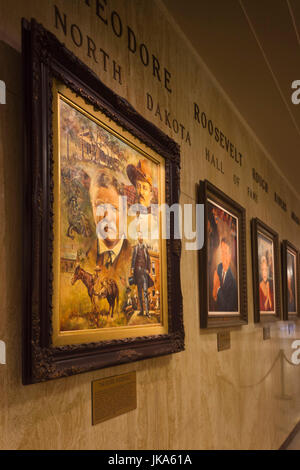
(265, 261)
(222, 260)
(102, 282)
(290, 280)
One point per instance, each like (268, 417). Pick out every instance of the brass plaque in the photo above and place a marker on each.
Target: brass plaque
(223, 339)
(113, 396)
(266, 332)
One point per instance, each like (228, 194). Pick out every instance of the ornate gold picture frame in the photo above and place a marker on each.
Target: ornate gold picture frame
(102, 283)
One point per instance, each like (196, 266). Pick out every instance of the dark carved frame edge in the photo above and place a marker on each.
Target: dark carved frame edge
(45, 58)
(285, 245)
(205, 189)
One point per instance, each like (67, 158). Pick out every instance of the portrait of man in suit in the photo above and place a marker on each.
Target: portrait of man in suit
(111, 249)
(222, 260)
(225, 288)
(140, 268)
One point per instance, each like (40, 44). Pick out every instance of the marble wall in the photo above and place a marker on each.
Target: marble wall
(243, 398)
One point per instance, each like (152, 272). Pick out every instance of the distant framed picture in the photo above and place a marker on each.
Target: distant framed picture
(222, 260)
(102, 282)
(266, 275)
(290, 280)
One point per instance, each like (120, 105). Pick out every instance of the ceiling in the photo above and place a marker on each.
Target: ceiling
(252, 47)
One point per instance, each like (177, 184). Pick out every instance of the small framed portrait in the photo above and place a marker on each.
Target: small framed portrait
(266, 283)
(290, 280)
(222, 260)
(102, 281)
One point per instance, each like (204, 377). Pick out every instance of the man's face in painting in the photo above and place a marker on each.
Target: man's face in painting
(106, 214)
(144, 192)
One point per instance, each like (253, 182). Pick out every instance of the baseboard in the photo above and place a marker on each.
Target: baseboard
(290, 437)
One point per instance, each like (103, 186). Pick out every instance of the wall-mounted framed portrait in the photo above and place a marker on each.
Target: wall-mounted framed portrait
(266, 275)
(102, 282)
(222, 260)
(290, 280)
